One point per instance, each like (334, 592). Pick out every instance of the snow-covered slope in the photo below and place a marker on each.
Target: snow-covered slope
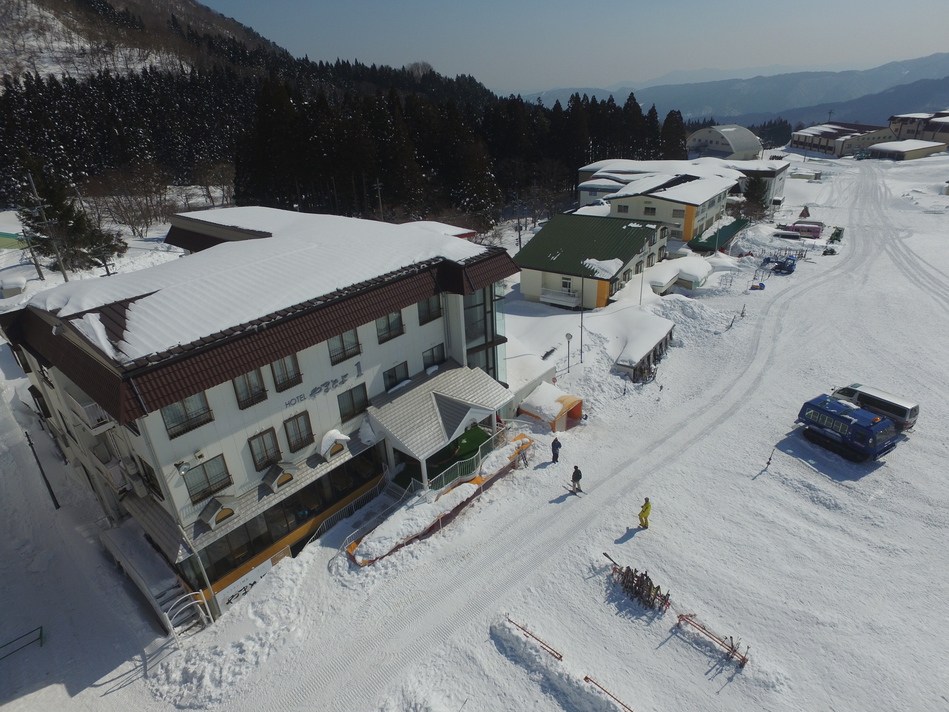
(833, 573)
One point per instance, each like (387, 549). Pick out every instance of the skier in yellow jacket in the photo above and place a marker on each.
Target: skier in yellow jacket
(644, 514)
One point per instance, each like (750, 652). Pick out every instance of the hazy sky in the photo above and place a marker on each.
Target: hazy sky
(524, 46)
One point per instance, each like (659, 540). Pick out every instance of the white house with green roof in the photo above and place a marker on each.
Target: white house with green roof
(582, 260)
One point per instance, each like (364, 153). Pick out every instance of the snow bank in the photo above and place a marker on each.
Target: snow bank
(410, 521)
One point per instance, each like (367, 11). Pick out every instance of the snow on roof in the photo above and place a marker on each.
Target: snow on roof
(598, 209)
(645, 183)
(693, 269)
(238, 282)
(622, 168)
(918, 115)
(909, 144)
(548, 402)
(603, 269)
(639, 332)
(663, 273)
(524, 366)
(694, 192)
(602, 182)
(440, 228)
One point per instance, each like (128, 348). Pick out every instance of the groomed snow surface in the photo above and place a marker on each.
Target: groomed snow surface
(834, 573)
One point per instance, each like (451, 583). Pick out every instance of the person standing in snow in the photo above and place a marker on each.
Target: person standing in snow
(575, 479)
(644, 514)
(555, 450)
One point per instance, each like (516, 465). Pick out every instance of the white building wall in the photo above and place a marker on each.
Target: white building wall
(531, 283)
(323, 382)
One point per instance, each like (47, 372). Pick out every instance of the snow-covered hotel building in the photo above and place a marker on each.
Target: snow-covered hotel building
(234, 400)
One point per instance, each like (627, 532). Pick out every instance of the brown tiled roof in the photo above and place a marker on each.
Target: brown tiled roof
(163, 379)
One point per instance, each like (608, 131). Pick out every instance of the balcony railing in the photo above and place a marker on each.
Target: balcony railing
(562, 297)
(90, 413)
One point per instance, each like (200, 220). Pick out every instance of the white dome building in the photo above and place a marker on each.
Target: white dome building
(730, 141)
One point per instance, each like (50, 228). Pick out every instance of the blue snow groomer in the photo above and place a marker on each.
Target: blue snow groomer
(846, 429)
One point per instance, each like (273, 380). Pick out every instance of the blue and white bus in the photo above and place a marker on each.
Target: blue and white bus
(848, 430)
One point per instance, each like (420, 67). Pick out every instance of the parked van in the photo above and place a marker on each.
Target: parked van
(901, 411)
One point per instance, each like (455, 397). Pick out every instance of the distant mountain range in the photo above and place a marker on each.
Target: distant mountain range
(869, 95)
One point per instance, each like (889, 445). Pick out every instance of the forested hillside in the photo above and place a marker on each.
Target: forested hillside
(327, 137)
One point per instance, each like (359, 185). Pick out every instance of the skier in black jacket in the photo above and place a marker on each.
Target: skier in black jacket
(575, 479)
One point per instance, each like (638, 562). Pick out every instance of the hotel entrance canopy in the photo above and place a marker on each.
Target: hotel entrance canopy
(425, 415)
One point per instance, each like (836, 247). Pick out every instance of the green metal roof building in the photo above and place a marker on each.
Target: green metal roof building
(581, 260)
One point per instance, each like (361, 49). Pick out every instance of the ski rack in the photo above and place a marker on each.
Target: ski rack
(731, 646)
(639, 586)
(543, 645)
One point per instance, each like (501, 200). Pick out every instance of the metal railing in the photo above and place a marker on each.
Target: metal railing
(560, 296)
(181, 606)
(350, 508)
(90, 412)
(401, 494)
(38, 638)
(466, 468)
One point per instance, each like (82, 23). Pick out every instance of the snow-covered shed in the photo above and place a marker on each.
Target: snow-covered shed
(552, 405)
(647, 339)
(693, 271)
(906, 150)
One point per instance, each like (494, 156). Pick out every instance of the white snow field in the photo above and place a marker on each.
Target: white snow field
(833, 573)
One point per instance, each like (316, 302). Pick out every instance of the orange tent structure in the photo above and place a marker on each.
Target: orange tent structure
(552, 405)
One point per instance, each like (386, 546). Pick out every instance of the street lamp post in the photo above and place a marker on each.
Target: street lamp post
(569, 336)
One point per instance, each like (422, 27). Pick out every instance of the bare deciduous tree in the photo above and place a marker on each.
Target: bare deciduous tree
(136, 196)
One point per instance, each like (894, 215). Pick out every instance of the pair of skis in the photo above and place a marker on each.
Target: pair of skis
(571, 490)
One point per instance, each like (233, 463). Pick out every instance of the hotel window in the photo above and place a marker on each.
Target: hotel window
(389, 326)
(395, 376)
(343, 346)
(678, 213)
(286, 373)
(352, 402)
(264, 449)
(639, 268)
(429, 309)
(250, 389)
(484, 327)
(649, 211)
(150, 479)
(566, 283)
(186, 415)
(622, 208)
(627, 275)
(433, 356)
(206, 479)
(650, 260)
(299, 432)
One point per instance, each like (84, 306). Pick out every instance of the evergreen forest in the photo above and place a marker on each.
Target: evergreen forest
(343, 137)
